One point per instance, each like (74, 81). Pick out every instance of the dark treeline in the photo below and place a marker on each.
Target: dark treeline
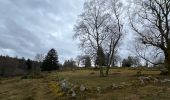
(10, 66)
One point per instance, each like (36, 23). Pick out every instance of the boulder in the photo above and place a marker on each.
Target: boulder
(155, 80)
(63, 85)
(124, 84)
(144, 80)
(73, 94)
(98, 90)
(82, 88)
(114, 86)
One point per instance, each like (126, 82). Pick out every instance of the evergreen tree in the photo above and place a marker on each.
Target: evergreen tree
(51, 61)
(69, 64)
(87, 61)
(128, 62)
(29, 64)
(100, 59)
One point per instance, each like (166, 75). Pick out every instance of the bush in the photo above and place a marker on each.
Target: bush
(32, 76)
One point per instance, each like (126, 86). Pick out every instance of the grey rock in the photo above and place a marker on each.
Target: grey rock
(165, 81)
(98, 90)
(73, 92)
(114, 86)
(143, 79)
(155, 80)
(82, 88)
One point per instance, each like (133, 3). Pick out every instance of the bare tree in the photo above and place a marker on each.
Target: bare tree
(115, 31)
(91, 26)
(153, 22)
(99, 29)
(148, 54)
(39, 57)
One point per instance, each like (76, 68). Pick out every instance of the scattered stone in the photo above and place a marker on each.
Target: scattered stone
(124, 84)
(64, 85)
(98, 90)
(73, 92)
(144, 79)
(114, 86)
(155, 80)
(141, 81)
(165, 80)
(82, 88)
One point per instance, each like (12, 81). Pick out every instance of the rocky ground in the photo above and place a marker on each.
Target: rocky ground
(121, 84)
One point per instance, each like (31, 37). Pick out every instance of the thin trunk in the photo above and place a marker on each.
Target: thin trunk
(167, 63)
(167, 60)
(107, 70)
(167, 56)
(110, 63)
(101, 71)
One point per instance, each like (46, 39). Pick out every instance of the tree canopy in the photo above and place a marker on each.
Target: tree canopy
(51, 61)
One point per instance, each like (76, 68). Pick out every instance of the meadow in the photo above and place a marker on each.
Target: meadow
(47, 86)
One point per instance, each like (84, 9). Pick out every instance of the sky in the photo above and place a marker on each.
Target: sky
(28, 27)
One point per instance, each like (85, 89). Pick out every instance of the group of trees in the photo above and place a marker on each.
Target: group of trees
(83, 61)
(69, 64)
(14, 66)
(100, 29)
(131, 61)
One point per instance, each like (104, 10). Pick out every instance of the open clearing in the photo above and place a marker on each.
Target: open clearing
(44, 88)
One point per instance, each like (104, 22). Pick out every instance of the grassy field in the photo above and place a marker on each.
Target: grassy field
(46, 88)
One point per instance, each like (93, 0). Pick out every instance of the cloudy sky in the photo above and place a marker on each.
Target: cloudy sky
(28, 27)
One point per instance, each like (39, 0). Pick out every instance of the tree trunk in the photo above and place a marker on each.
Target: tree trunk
(107, 70)
(101, 71)
(167, 60)
(167, 56)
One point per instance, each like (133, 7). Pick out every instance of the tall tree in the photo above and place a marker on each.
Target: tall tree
(114, 30)
(91, 25)
(99, 27)
(51, 61)
(29, 64)
(153, 19)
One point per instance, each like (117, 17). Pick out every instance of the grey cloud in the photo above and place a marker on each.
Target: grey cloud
(28, 27)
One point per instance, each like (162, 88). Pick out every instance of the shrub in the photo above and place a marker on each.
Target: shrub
(55, 87)
(32, 76)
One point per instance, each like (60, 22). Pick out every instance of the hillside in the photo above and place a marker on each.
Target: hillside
(121, 84)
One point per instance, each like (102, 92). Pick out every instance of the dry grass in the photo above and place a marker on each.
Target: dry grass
(43, 89)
